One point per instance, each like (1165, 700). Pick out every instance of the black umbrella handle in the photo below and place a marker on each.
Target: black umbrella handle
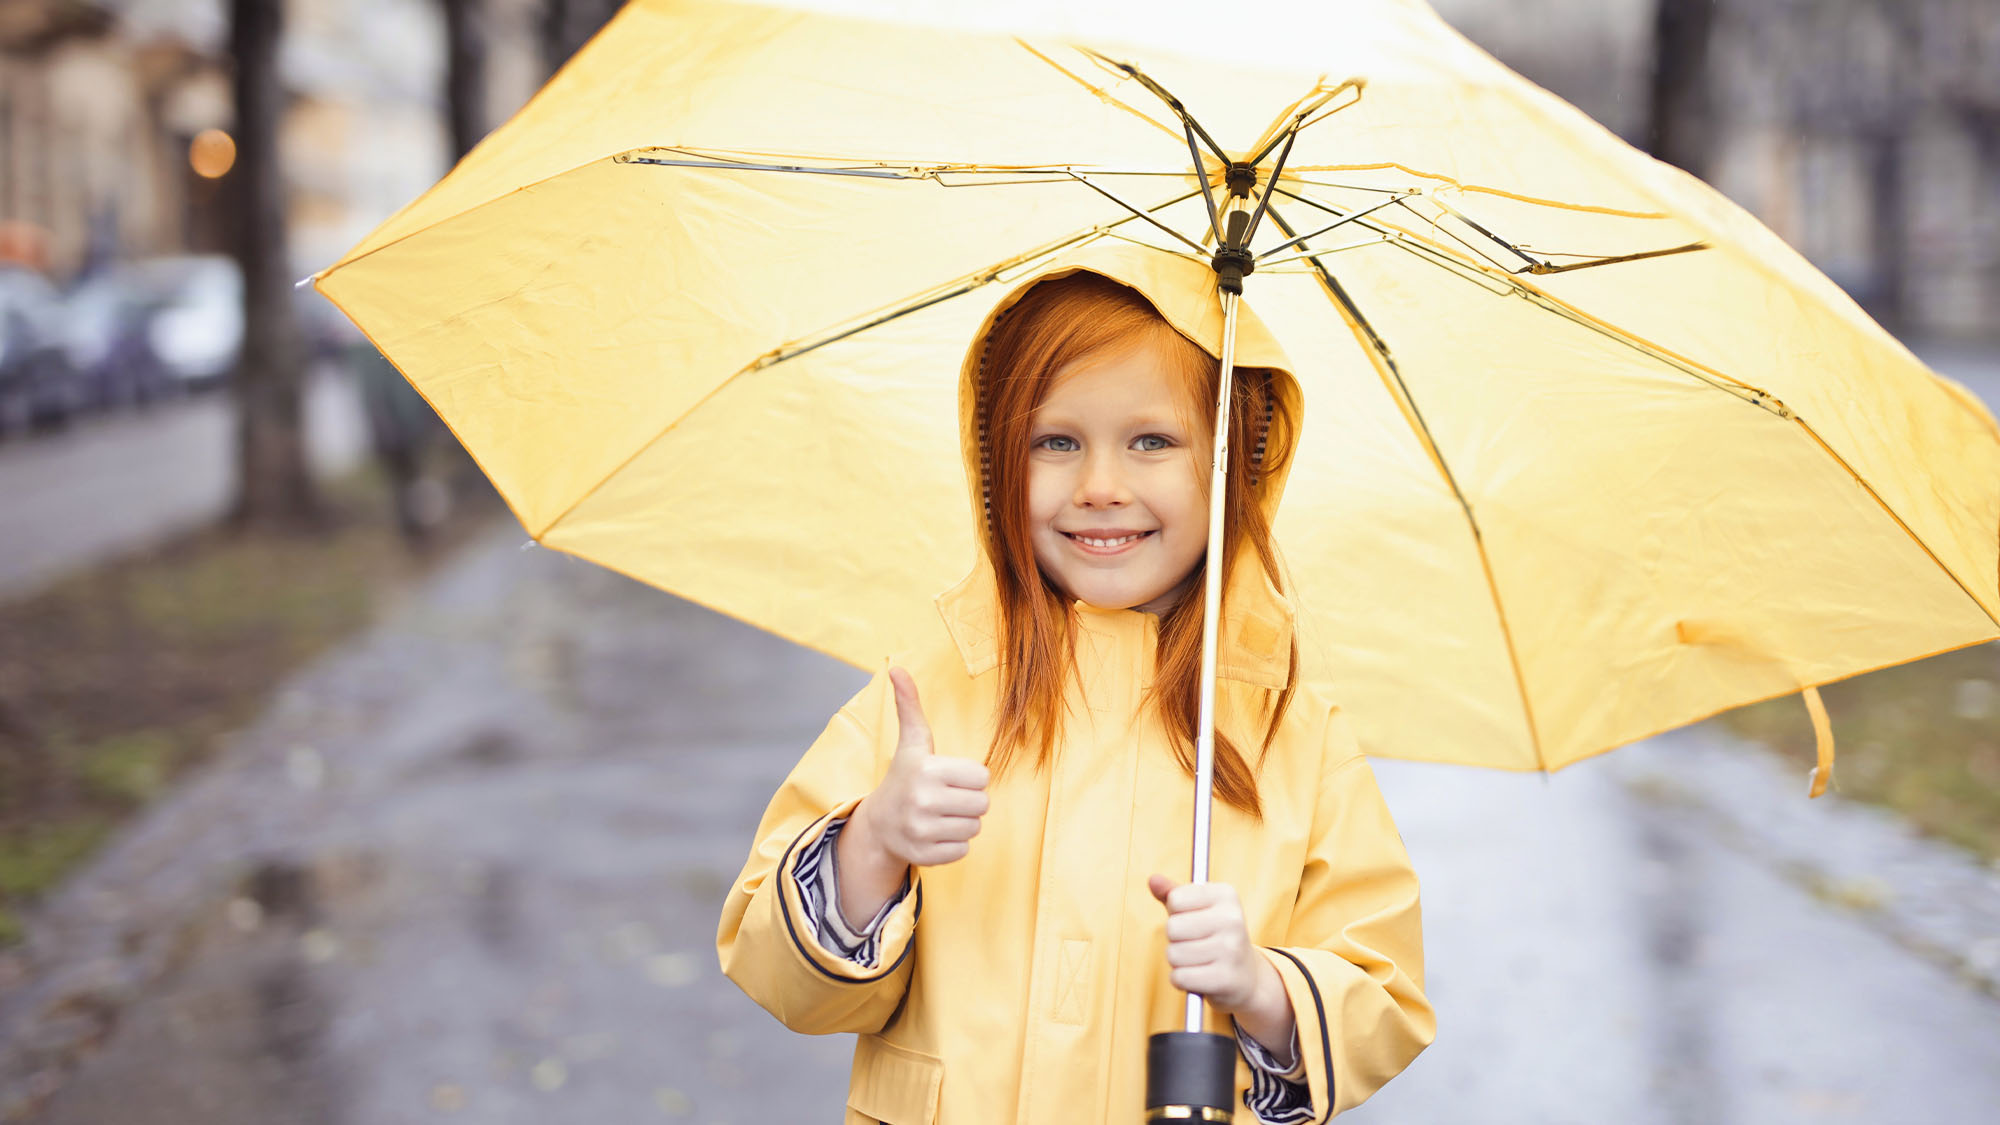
(1190, 1076)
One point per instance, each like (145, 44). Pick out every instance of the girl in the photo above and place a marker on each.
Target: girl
(971, 867)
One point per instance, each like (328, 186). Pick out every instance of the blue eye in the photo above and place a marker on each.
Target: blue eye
(1053, 443)
(1164, 442)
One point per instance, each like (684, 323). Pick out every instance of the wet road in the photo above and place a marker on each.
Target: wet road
(470, 869)
(112, 484)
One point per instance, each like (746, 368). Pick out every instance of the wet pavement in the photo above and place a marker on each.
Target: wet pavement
(469, 868)
(111, 484)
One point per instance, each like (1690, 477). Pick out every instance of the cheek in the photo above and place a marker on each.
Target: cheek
(1047, 490)
(1190, 491)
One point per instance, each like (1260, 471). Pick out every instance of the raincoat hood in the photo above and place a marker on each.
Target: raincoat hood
(1258, 618)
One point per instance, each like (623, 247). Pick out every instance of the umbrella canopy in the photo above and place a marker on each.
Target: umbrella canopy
(1588, 452)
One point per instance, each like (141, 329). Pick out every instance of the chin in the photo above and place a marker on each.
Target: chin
(1111, 599)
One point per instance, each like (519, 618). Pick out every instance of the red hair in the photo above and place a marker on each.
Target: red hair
(1058, 322)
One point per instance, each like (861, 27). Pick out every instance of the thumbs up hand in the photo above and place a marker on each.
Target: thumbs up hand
(927, 809)
(924, 813)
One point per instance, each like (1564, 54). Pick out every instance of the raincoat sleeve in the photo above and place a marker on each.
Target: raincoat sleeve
(766, 941)
(817, 871)
(1353, 964)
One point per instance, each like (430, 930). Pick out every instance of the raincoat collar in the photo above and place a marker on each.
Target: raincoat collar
(1257, 623)
(1255, 647)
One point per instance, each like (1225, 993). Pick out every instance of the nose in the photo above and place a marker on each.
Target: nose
(1101, 481)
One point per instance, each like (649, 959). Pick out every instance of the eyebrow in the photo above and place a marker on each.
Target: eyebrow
(1148, 422)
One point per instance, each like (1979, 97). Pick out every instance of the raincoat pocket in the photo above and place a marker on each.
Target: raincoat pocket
(893, 1085)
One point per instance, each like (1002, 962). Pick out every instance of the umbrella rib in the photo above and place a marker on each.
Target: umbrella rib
(1198, 247)
(1335, 225)
(1543, 266)
(1510, 283)
(1539, 201)
(1613, 259)
(1100, 92)
(891, 171)
(1454, 236)
(923, 300)
(1496, 239)
(952, 289)
(1385, 365)
(1756, 396)
(1173, 103)
(1277, 132)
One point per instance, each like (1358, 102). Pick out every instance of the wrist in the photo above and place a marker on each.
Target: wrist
(864, 859)
(1267, 1015)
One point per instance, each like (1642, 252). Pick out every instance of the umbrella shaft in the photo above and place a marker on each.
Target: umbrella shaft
(1211, 617)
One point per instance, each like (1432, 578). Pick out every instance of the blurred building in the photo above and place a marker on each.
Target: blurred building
(1866, 133)
(102, 102)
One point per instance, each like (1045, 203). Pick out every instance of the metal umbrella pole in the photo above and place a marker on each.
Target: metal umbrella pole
(1191, 1074)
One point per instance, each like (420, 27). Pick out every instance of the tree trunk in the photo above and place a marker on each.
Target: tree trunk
(1983, 123)
(276, 487)
(465, 73)
(1680, 126)
(1889, 231)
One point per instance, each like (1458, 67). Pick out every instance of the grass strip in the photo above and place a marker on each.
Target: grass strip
(1922, 739)
(116, 680)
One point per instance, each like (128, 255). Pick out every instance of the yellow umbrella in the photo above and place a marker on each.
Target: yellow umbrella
(1589, 453)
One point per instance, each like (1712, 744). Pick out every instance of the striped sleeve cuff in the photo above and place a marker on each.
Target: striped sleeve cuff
(1278, 1093)
(817, 877)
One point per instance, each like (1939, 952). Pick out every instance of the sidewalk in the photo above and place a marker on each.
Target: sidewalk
(470, 868)
(110, 485)
(471, 864)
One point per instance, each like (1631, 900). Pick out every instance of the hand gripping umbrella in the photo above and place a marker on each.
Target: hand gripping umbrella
(1589, 454)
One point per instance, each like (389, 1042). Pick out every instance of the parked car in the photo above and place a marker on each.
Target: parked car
(109, 338)
(38, 387)
(197, 328)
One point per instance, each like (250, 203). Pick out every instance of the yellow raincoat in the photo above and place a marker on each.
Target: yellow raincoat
(1020, 984)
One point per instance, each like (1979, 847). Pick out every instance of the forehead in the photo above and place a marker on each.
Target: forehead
(1138, 381)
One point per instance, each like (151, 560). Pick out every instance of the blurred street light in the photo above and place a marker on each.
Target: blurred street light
(212, 154)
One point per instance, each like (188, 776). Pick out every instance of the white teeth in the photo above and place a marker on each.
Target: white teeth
(1108, 542)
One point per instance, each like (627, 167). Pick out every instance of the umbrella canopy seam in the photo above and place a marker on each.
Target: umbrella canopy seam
(956, 287)
(1384, 363)
(1458, 185)
(1102, 94)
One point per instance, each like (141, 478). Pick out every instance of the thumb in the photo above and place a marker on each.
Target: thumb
(913, 731)
(1161, 886)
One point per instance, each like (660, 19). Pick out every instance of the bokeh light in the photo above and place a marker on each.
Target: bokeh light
(212, 153)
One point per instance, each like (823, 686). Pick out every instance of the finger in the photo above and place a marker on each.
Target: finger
(937, 855)
(1160, 886)
(1202, 980)
(960, 773)
(956, 802)
(913, 731)
(1197, 896)
(951, 829)
(1192, 925)
(1182, 954)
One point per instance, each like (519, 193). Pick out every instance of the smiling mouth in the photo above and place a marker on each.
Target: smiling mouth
(1107, 544)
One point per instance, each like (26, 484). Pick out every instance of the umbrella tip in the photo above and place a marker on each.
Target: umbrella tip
(310, 279)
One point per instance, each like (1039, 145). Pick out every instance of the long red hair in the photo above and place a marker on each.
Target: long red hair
(1055, 323)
